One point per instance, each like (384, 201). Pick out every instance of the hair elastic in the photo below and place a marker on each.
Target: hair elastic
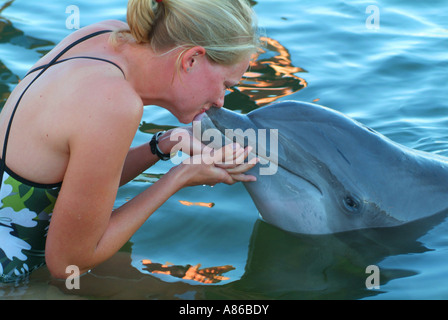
(158, 1)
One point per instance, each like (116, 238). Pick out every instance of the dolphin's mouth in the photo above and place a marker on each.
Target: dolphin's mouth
(311, 183)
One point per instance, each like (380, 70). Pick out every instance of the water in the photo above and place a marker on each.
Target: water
(393, 78)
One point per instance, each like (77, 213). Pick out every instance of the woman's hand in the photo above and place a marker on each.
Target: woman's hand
(225, 165)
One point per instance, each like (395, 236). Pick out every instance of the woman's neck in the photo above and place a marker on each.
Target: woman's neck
(149, 73)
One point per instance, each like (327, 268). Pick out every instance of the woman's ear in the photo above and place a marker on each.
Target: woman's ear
(191, 58)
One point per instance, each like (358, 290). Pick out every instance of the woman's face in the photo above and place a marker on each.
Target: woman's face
(204, 86)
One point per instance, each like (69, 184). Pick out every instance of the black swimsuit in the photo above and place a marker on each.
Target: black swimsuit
(26, 206)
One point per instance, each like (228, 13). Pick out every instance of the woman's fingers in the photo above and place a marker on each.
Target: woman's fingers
(241, 168)
(225, 165)
(227, 155)
(183, 140)
(235, 158)
(241, 177)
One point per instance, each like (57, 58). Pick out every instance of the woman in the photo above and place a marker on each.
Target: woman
(67, 128)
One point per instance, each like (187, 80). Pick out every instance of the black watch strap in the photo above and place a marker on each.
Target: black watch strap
(154, 145)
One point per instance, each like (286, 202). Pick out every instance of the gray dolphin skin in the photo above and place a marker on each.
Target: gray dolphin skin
(329, 173)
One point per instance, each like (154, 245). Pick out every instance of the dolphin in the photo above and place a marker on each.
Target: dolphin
(327, 173)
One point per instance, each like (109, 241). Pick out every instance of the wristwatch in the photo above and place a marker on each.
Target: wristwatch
(154, 145)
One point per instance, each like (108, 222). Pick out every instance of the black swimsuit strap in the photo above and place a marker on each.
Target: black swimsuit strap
(78, 57)
(44, 68)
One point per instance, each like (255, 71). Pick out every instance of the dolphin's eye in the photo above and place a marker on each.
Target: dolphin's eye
(352, 204)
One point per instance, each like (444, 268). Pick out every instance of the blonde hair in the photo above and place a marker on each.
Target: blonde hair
(226, 29)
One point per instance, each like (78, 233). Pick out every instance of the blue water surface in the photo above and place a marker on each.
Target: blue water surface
(387, 68)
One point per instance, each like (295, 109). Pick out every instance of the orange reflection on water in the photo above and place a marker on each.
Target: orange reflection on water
(189, 272)
(271, 78)
(199, 204)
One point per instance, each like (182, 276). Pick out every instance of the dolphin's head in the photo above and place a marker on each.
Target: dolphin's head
(320, 171)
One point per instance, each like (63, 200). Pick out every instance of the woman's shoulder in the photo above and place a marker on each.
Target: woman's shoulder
(112, 25)
(100, 102)
(109, 92)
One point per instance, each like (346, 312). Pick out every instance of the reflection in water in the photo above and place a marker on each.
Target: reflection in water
(269, 78)
(189, 272)
(199, 204)
(148, 177)
(152, 128)
(289, 266)
(10, 35)
(6, 77)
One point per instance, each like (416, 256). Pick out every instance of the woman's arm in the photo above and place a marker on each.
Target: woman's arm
(137, 160)
(141, 158)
